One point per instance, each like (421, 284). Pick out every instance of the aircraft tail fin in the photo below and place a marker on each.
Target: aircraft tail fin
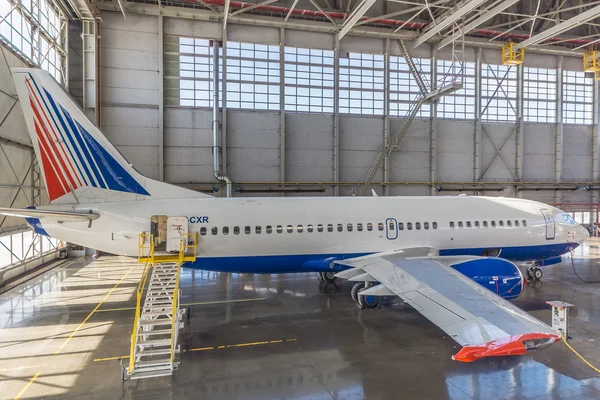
(78, 163)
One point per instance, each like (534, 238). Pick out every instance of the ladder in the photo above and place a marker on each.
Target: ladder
(385, 150)
(154, 339)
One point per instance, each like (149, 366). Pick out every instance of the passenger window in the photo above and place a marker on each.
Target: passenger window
(493, 224)
(225, 230)
(309, 228)
(409, 226)
(214, 230)
(279, 229)
(269, 229)
(359, 227)
(501, 223)
(460, 224)
(290, 229)
(401, 226)
(418, 225)
(524, 223)
(349, 227)
(485, 224)
(257, 229)
(329, 227)
(319, 228)
(516, 222)
(425, 225)
(468, 224)
(369, 226)
(300, 228)
(476, 224)
(203, 231)
(452, 224)
(434, 225)
(380, 226)
(340, 227)
(509, 223)
(247, 230)
(236, 230)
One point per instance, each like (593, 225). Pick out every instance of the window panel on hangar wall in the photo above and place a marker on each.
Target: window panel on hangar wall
(35, 30)
(578, 98)
(459, 104)
(539, 95)
(361, 84)
(498, 93)
(404, 89)
(309, 80)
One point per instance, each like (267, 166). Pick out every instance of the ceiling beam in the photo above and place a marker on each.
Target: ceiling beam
(356, 15)
(560, 28)
(461, 9)
(483, 18)
(314, 3)
(252, 7)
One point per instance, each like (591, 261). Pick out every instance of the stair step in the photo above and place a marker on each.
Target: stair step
(155, 343)
(151, 374)
(156, 322)
(156, 293)
(156, 308)
(155, 303)
(156, 313)
(152, 353)
(156, 332)
(162, 362)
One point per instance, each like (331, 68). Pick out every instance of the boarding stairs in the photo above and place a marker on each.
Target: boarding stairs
(154, 340)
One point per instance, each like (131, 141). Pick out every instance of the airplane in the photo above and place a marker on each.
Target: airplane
(451, 257)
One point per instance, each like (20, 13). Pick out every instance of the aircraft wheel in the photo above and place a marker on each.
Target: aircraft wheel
(530, 273)
(354, 291)
(537, 273)
(368, 301)
(329, 276)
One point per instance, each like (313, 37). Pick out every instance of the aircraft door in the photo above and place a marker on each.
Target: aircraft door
(550, 225)
(391, 229)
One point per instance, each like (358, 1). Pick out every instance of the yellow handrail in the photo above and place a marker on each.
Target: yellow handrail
(139, 291)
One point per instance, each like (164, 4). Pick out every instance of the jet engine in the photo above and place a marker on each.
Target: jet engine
(496, 274)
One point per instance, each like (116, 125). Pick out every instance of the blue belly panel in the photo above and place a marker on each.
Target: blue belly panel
(321, 262)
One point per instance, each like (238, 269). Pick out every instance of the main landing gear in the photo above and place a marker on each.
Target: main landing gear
(327, 276)
(534, 273)
(362, 301)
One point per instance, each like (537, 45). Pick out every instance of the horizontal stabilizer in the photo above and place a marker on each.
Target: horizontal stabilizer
(53, 214)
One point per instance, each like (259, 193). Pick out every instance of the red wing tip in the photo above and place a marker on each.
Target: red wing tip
(508, 346)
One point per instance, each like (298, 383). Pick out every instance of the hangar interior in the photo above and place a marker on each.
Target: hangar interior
(315, 98)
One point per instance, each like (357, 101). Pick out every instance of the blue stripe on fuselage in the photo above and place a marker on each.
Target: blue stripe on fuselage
(321, 262)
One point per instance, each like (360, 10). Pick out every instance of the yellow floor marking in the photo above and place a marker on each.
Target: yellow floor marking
(22, 392)
(19, 368)
(93, 311)
(69, 264)
(188, 304)
(228, 346)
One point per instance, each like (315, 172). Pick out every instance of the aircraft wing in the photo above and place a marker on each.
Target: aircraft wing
(72, 216)
(482, 322)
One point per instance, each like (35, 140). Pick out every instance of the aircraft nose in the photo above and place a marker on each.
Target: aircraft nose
(581, 234)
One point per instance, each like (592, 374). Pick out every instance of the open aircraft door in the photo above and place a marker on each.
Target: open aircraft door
(550, 224)
(176, 228)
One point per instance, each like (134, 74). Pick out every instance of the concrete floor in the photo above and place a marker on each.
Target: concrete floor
(278, 337)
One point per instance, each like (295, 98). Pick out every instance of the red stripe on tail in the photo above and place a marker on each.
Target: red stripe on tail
(53, 183)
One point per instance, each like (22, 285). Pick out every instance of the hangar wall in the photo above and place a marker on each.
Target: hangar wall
(131, 117)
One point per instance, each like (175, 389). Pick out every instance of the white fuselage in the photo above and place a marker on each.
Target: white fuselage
(515, 227)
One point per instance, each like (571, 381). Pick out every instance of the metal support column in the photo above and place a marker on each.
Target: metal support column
(433, 127)
(386, 118)
(336, 116)
(161, 101)
(224, 101)
(282, 144)
(519, 125)
(89, 35)
(558, 134)
(595, 152)
(478, 110)
(36, 198)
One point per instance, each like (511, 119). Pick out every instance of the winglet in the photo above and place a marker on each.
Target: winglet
(509, 346)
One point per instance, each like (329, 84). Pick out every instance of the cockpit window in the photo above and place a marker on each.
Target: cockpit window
(568, 218)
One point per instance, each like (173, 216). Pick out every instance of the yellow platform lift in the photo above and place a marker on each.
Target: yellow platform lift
(512, 56)
(591, 63)
(157, 315)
